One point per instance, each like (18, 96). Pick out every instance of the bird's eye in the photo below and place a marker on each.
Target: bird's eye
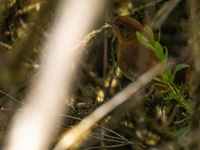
(121, 26)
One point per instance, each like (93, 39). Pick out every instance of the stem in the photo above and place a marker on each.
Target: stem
(179, 97)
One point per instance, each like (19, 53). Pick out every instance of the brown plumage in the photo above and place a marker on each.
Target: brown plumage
(133, 59)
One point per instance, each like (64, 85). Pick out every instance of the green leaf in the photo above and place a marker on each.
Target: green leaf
(179, 105)
(165, 53)
(150, 34)
(143, 40)
(189, 102)
(170, 96)
(184, 114)
(178, 68)
(180, 121)
(159, 35)
(181, 132)
(158, 49)
(166, 76)
(160, 80)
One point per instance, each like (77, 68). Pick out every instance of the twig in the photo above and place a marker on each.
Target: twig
(11, 97)
(146, 5)
(29, 8)
(5, 45)
(106, 146)
(94, 34)
(106, 139)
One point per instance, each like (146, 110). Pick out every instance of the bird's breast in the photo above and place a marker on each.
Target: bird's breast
(134, 59)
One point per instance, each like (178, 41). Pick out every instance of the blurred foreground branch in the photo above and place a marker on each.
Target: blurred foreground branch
(33, 128)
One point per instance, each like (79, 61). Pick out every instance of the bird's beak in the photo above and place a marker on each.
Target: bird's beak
(111, 23)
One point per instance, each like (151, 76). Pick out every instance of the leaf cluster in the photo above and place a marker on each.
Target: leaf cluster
(167, 78)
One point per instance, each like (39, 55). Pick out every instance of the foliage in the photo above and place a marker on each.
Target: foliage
(167, 78)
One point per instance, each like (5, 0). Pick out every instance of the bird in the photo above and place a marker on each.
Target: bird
(133, 58)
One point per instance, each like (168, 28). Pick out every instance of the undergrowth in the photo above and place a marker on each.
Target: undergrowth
(166, 80)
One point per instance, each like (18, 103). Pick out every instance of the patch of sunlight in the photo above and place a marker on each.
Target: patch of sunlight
(100, 96)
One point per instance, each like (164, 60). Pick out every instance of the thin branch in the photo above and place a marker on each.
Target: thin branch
(106, 146)
(146, 5)
(7, 46)
(11, 97)
(106, 139)
(94, 34)
(36, 6)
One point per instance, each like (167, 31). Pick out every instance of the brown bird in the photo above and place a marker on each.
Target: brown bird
(133, 59)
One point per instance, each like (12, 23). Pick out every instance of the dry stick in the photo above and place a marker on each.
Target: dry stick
(112, 131)
(107, 146)
(110, 136)
(74, 135)
(11, 97)
(106, 139)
